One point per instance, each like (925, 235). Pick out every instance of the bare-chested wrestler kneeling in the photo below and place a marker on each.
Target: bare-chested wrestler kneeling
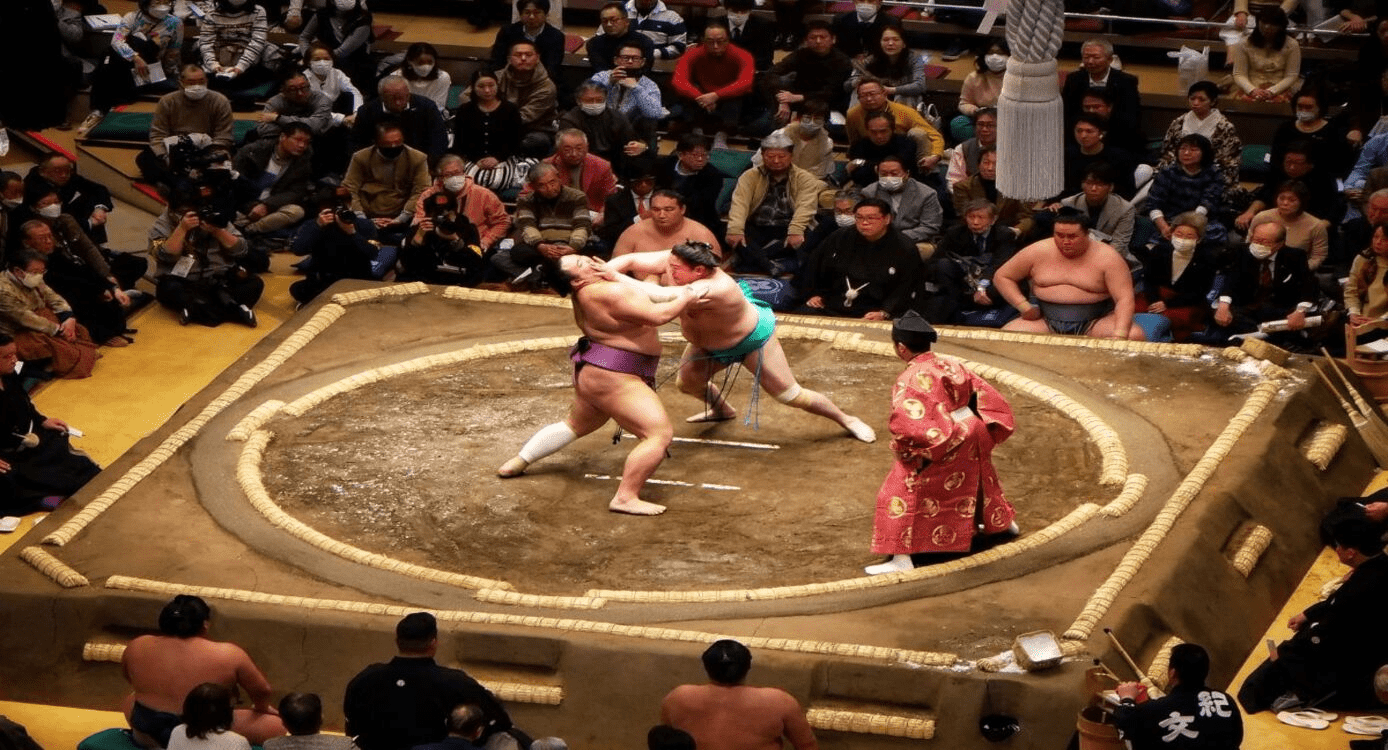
(163, 669)
(1083, 286)
(666, 226)
(732, 327)
(615, 364)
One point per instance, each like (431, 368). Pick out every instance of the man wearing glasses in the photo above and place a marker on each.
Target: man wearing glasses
(631, 92)
(296, 102)
(614, 32)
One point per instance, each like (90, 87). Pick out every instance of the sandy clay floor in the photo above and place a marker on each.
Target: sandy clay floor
(403, 469)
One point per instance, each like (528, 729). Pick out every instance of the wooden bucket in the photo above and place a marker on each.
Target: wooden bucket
(1096, 733)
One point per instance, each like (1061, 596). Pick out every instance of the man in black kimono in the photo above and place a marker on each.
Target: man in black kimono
(38, 467)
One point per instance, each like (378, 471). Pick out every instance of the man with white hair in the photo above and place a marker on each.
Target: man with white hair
(416, 115)
(1097, 72)
(772, 206)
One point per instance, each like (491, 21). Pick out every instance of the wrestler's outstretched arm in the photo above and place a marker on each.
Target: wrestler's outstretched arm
(651, 263)
(631, 306)
(658, 293)
(644, 265)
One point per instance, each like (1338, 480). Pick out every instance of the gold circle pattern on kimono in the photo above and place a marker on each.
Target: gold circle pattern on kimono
(914, 408)
(929, 507)
(896, 508)
(943, 536)
(964, 506)
(996, 516)
(925, 382)
(955, 481)
(906, 537)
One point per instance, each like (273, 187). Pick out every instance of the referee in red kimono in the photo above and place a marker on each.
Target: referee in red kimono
(942, 489)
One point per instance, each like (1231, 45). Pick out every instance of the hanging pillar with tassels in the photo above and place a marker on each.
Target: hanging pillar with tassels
(1031, 150)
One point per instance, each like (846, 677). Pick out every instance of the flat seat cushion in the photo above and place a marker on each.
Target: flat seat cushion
(134, 127)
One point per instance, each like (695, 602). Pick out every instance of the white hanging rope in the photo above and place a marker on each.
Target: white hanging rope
(1030, 114)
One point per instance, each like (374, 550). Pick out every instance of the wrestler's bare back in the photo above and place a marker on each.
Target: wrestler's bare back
(163, 669)
(738, 717)
(597, 311)
(725, 320)
(1057, 278)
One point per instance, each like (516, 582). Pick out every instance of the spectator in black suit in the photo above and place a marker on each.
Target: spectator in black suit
(84, 200)
(631, 203)
(418, 117)
(688, 172)
(1099, 101)
(1266, 282)
(882, 140)
(1088, 147)
(1298, 162)
(750, 32)
(1096, 71)
(815, 71)
(533, 26)
(615, 30)
(961, 270)
(853, 28)
(1330, 661)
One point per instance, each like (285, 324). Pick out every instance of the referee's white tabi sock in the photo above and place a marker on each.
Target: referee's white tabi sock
(897, 564)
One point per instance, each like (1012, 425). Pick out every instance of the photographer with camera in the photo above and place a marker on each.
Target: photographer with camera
(385, 182)
(192, 111)
(200, 275)
(464, 220)
(340, 244)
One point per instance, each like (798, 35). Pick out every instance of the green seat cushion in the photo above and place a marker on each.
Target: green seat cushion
(731, 163)
(134, 126)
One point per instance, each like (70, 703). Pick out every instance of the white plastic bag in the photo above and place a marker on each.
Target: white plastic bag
(1191, 66)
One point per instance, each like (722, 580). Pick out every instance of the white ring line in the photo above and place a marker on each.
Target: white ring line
(670, 482)
(723, 443)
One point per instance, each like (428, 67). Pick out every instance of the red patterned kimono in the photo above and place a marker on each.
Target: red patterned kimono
(930, 502)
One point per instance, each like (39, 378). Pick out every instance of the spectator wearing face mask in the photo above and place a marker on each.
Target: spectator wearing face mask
(853, 28)
(41, 322)
(150, 36)
(610, 133)
(916, 210)
(204, 116)
(332, 83)
(633, 93)
(385, 182)
(421, 70)
(751, 32)
(343, 26)
(813, 150)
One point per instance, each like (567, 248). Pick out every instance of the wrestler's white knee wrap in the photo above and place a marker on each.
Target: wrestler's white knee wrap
(791, 396)
(549, 439)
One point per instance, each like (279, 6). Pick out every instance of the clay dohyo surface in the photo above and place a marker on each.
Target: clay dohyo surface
(406, 467)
